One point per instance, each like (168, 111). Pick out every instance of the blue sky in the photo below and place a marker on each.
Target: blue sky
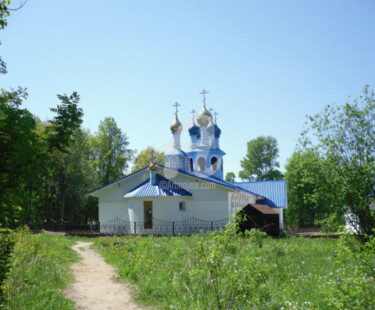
(266, 64)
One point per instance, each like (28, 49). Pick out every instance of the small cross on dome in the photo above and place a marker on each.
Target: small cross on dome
(193, 112)
(176, 105)
(204, 92)
(215, 114)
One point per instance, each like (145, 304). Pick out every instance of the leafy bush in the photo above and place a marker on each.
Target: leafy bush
(38, 272)
(255, 236)
(333, 223)
(353, 286)
(6, 247)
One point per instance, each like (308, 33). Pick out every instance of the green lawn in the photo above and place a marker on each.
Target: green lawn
(228, 272)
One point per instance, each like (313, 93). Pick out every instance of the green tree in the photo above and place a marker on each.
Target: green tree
(80, 177)
(260, 162)
(230, 177)
(59, 135)
(111, 152)
(345, 136)
(311, 198)
(19, 147)
(146, 157)
(64, 125)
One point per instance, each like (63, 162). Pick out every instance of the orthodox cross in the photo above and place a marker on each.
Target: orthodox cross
(193, 112)
(204, 92)
(215, 114)
(176, 105)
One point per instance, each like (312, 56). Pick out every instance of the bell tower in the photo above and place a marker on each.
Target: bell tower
(205, 157)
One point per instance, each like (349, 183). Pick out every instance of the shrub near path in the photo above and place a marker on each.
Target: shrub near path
(39, 271)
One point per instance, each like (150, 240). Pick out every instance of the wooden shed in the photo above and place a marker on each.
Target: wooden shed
(260, 216)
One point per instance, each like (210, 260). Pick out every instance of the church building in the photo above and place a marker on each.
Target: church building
(188, 194)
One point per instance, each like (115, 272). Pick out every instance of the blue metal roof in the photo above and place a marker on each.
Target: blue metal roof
(208, 151)
(274, 191)
(162, 188)
(212, 179)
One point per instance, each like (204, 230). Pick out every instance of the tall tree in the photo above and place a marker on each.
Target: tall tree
(59, 136)
(260, 162)
(311, 198)
(346, 137)
(230, 177)
(146, 157)
(111, 152)
(81, 177)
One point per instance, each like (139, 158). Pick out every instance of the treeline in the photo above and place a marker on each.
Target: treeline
(47, 168)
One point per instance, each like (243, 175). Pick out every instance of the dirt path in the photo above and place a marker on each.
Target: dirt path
(94, 287)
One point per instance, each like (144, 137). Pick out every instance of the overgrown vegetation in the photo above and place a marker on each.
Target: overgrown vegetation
(6, 247)
(38, 272)
(229, 271)
(332, 172)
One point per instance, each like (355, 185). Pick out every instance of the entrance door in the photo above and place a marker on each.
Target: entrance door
(147, 214)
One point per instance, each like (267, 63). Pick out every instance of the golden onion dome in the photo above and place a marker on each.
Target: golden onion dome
(204, 117)
(176, 125)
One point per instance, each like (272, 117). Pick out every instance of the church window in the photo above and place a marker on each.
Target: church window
(181, 162)
(191, 165)
(202, 163)
(214, 163)
(182, 206)
(174, 163)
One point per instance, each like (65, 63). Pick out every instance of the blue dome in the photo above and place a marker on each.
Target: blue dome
(217, 131)
(194, 130)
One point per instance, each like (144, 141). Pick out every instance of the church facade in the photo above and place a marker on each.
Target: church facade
(188, 194)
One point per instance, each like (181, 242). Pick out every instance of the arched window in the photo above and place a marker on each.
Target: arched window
(214, 163)
(181, 163)
(191, 164)
(174, 163)
(201, 163)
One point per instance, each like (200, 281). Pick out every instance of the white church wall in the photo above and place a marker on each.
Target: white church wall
(164, 208)
(207, 210)
(111, 210)
(111, 202)
(209, 201)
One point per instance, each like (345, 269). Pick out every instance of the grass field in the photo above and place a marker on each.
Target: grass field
(228, 272)
(39, 270)
(223, 271)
